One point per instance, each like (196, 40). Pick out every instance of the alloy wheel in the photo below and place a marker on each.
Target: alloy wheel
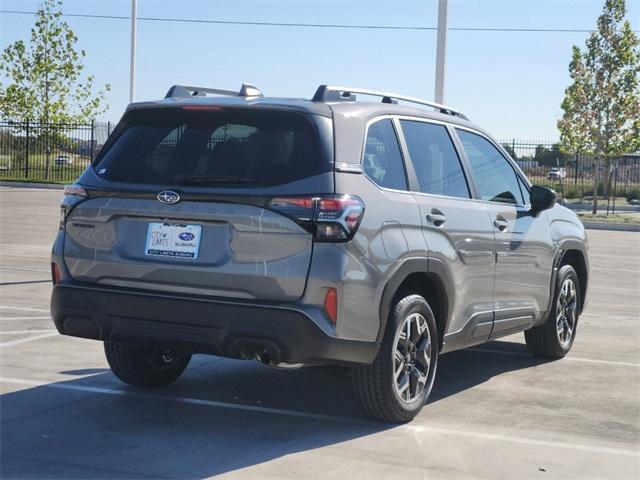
(412, 357)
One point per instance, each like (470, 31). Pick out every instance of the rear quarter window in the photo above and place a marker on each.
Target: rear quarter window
(174, 146)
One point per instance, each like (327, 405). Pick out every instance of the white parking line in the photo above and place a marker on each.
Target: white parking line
(2, 319)
(570, 358)
(23, 309)
(330, 418)
(28, 339)
(20, 332)
(526, 441)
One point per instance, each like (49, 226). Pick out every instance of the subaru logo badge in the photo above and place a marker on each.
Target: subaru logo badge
(168, 197)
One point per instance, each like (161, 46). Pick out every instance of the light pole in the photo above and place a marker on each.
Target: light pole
(441, 50)
(132, 67)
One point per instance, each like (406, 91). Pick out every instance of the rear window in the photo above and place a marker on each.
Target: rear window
(178, 146)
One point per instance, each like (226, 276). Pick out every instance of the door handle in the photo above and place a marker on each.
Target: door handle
(436, 217)
(500, 223)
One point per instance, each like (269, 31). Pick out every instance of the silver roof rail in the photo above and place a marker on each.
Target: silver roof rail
(332, 93)
(183, 91)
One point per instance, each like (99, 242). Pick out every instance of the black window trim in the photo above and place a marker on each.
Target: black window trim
(407, 175)
(414, 184)
(516, 169)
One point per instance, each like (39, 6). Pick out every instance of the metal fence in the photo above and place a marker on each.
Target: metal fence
(41, 152)
(573, 175)
(47, 152)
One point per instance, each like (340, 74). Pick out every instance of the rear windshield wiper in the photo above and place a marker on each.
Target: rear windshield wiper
(211, 179)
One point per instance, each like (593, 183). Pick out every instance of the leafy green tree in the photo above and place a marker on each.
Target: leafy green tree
(602, 103)
(44, 80)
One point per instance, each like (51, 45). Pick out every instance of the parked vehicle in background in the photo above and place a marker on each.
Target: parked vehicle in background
(329, 231)
(63, 160)
(557, 173)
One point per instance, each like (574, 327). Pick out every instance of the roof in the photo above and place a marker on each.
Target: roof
(345, 104)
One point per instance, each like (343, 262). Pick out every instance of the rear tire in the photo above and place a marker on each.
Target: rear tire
(145, 366)
(554, 338)
(395, 387)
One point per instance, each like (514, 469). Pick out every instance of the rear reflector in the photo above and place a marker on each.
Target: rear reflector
(331, 305)
(55, 273)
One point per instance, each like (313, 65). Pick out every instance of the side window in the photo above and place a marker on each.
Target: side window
(494, 176)
(435, 160)
(382, 161)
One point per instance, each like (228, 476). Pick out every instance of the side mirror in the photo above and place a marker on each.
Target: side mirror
(542, 198)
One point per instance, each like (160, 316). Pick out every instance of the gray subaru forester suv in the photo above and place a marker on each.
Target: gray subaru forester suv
(374, 235)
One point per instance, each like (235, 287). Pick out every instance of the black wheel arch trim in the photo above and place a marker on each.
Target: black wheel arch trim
(564, 247)
(438, 272)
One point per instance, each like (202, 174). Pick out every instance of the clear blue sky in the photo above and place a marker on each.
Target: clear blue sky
(512, 83)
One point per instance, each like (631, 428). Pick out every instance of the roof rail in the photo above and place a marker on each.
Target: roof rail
(332, 93)
(183, 91)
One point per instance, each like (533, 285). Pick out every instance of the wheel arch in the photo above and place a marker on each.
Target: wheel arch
(572, 253)
(424, 277)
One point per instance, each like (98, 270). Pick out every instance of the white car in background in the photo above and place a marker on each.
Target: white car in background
(557, 173)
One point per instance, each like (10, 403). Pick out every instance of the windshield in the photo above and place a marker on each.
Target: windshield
(217, 146)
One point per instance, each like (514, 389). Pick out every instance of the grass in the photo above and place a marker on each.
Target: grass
(631, 218)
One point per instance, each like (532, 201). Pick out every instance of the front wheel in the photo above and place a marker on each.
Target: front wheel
(554, 338)
(145, 366)
(395, 387)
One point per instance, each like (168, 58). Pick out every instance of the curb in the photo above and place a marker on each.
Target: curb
(48, 186)
(618, 227)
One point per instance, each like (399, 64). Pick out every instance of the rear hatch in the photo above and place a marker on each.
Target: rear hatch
(181, 199)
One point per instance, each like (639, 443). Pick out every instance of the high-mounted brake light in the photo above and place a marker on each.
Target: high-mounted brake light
(210, 108)
(331, 218)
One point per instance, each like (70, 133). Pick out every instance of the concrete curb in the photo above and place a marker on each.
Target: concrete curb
(49, 186)
(618, 227)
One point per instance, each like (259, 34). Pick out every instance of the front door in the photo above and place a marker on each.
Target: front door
(524, 253)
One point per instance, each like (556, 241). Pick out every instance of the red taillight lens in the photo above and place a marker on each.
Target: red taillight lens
(332, 218)
(73, 194)
(331, 305)
(55, 273)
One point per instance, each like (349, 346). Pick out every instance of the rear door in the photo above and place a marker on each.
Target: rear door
(456, 228)
(182, 201)
(524, 249)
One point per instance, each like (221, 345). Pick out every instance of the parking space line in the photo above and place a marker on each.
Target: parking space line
(2, 319)
(28, 339)
(23, 309)
(20, 332)
(330, 418)
(525, 440)
(570, 358)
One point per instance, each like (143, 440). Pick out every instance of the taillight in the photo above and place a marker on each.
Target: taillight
(73, 194)
(55, 273)
(331, 218)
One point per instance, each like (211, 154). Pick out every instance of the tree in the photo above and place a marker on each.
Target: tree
(44, 80)
(602, 104)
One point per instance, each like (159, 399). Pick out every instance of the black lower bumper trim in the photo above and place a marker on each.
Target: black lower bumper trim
(200, 326)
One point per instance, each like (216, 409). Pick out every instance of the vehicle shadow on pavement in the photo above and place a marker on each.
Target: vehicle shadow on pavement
(94, 427)
(464, 369)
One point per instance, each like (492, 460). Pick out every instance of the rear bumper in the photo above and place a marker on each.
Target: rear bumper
(200, 326)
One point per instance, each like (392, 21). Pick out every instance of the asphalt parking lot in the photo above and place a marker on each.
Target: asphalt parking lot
(495, 411)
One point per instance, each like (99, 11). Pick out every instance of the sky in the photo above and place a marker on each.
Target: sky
(510, 83)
